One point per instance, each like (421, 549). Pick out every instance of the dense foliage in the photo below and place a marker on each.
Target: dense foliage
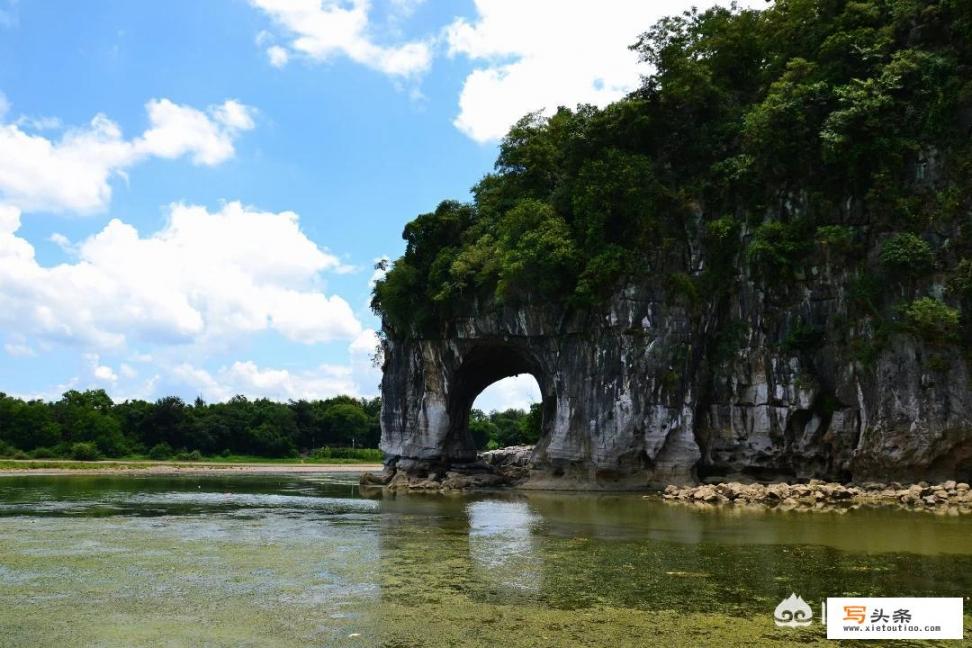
(88, 425)
(814, 126)
(507, 428)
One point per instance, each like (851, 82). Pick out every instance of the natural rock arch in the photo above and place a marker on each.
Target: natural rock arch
(485, 364)
(642, 394)
(605, 420)
(430, 387)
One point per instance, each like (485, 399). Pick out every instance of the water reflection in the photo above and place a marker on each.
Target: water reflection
(298, 560)
(501, 544)
(866, 530)
(574, 550)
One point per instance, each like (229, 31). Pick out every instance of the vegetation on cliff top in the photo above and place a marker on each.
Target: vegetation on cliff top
(814, 127)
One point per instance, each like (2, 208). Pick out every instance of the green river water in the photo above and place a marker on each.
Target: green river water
(306, 560)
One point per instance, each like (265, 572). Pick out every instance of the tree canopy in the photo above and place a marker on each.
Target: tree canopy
(170, 426)
(773, 127)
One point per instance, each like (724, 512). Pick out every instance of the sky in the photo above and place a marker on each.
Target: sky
(193, 195)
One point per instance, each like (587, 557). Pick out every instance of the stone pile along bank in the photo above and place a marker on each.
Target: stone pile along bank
(947, 497)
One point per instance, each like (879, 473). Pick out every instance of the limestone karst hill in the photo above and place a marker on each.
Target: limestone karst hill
(758, 263)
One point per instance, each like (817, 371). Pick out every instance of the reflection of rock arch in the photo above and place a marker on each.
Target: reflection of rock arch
(502, 546)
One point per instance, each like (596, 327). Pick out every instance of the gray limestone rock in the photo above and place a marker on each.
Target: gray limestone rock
(650, 391)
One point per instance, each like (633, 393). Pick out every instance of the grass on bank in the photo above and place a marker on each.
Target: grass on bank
(323, 456)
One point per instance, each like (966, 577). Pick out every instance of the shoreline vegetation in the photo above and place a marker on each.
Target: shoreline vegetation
(248, 465)
(89, 426)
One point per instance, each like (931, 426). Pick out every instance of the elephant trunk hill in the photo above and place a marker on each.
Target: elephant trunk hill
(758, 264)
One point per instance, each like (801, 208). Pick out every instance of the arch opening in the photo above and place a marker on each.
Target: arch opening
(507, 413)
(489, 371)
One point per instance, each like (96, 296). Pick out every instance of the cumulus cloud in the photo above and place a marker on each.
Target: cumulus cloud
(100, 373)
(73, 173)
(543, 54)
(278, 56)
(516, 391)
(365, 371)
(325, 29)
(181, 130)
(357, 378)
(248, 379)
(18, 348)
(205, 278)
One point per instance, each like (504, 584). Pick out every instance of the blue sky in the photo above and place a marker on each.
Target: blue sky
(193, 194)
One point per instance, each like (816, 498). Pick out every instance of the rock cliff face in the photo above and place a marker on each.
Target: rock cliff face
(654, 389)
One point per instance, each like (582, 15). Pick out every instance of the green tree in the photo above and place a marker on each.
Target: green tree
(348, 424)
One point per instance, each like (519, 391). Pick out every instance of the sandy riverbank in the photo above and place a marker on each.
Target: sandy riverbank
(50, 467)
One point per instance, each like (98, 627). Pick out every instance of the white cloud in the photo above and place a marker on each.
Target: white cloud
(105, 374)
(250, 380)
(404, 8)
(74, 172)
(4, 105)
(9, 219)
(62, 242)
(542, 54)
(182, 130)
(101, 373)
(325, 29)
(263, 37)
(233, 115)
(357, 378)
(278, 56)
(365, 343)
(39, 123)
(517, 392)
(364, 371)
(53, 394)
(205, 278)
(18, 348)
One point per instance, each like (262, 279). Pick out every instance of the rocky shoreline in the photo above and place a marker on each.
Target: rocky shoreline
(948, 497)
(493, 468)
(509, 467)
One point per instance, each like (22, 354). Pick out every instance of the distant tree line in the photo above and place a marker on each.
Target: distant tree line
(506, 428)
(89, 425)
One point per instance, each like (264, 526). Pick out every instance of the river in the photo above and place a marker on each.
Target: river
(306, 560)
